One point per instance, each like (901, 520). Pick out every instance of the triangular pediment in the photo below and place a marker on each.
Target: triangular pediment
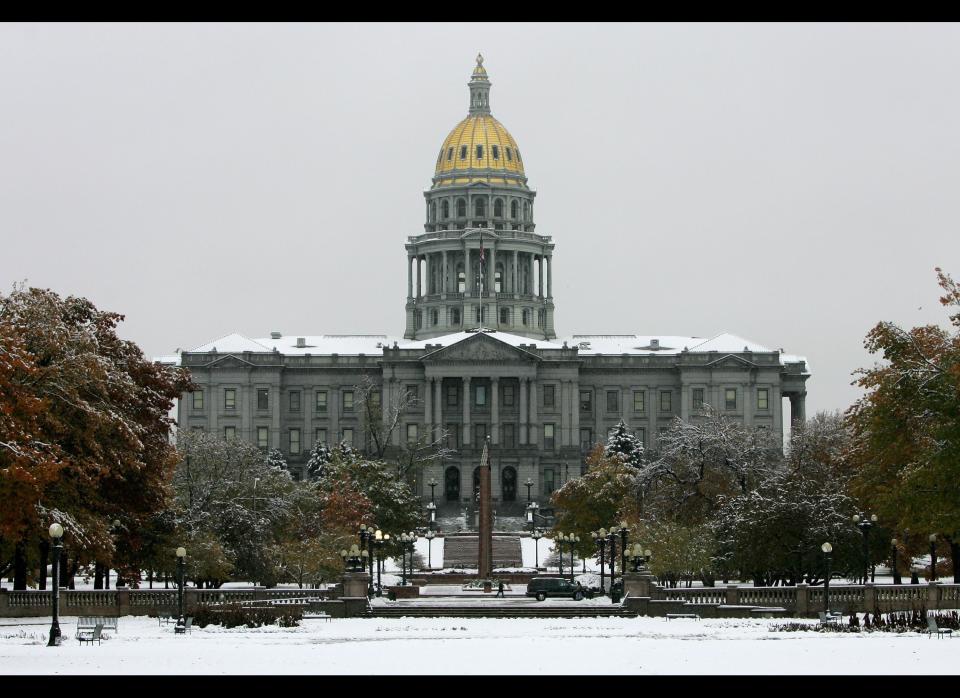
(481, 347)
(731, 361)
(230, 361)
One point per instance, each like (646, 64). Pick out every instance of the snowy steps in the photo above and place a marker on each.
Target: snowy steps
(463, 550)
(503, 611)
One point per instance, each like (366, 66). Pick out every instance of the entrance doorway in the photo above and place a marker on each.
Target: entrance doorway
(508, 484)
(451, 482)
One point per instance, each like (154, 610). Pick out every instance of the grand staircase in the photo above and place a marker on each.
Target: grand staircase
(463, 550)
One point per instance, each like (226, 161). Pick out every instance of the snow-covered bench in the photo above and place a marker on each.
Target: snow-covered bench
(87, 623)
(671, 616)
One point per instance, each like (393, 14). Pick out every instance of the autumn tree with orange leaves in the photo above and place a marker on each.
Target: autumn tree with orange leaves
(84, 433)
(906, 454)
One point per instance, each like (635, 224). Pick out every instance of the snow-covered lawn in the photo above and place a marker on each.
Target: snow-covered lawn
(474, 646)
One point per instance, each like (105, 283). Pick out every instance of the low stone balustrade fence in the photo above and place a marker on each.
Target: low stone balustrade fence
(140, 602)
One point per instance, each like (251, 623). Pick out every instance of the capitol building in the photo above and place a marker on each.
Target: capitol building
(480, 356)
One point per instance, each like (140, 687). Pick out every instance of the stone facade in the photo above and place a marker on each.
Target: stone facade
(543, 401)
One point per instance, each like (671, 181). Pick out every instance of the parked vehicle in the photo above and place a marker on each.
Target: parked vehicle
(542, 587)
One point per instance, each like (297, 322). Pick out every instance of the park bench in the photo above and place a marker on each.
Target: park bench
(322, 615)
(91, 622)
(932, 628)
(186, 627)
(91, 635)
(671, 616)
(834, 617)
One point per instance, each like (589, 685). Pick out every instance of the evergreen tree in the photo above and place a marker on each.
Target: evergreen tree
(276, 460)
(320, 456)
(624, 445)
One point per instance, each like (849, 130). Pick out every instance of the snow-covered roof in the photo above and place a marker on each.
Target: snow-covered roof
(589, 344)
(513, 340)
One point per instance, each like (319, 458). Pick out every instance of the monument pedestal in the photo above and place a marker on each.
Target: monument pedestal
(356, 584)
(639, 584)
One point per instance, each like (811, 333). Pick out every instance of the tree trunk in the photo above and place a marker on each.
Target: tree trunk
(20, 566)
(44, 559)
(64, 576)
(150, 577)
(97, 576)
(955, 560)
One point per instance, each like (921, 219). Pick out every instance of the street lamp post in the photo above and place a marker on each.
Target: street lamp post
(827, 549)
(378, 542)
(612, 541)
(600, 537)
(893, 563)
(430, 535)
(432, 508)
(529, 484)
(366, 545)
(560, 540)
(181, 623)
(532, 509)
(865, 525)
(433, 485)
(56, 532)
(933, 557)
(573, 539)
(623, 546)
(536, 535)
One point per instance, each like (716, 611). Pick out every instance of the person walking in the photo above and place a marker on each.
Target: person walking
(500, 589)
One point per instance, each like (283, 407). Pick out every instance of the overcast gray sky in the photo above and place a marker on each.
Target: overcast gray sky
(792, 184)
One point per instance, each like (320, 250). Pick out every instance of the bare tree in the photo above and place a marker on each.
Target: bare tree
(380, 420)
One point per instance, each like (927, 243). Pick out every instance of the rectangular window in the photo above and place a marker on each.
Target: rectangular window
(586, 401)
(548, 436)
(294, 441)
(549, 396)
(641, 434)
(321, 401)
(262, 437)
(698, 398)
(496, 152)
(730, 398)
(481, 396)
(763, 399)
(613, 401)
(229, 433)
(229, 398)
(509, 436)
(348, 401)
(320, 436)
(198, 399)
(586, 439)
(348, 437)
(263, 399)
(549, 481)
(508, 396)
(479, 152)
(453, 440)
(479, 434)
(666, 401)
(412, 434)
(295, 401)
(639, 401)
(450, 153)
(463, 152)
(452, 394)
(375, 399)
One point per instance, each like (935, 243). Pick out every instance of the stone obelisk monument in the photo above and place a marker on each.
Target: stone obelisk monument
(485, 562)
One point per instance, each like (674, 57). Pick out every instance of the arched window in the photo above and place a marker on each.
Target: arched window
(445, 209)
(450, 153)
(461, 208)
(451, 484)
(479, 152)
(496, 152)
(498, 208)
(463, 152)
(513, 210)
(509, 154)
(480, 208)
(508, 484)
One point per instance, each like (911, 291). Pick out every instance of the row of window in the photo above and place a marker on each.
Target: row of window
(731, 398)
(494, 152)
(479, 210)
(526, 315)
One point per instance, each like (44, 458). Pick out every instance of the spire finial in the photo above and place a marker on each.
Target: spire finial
(480, 59)
(479, 89)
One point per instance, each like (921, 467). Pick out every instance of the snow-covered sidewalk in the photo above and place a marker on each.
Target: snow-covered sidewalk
(474, 646)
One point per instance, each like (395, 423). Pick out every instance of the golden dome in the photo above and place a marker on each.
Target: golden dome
(479, 148)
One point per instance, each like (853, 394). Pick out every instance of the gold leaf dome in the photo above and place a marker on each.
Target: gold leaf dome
(479, 148)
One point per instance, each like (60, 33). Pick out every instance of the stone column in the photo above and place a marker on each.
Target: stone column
(466, 414)
(275, 415)
(467, 275)
(534, 420)
(550, 276)
(513, 276)
(445, 275)
(533, 263)
(438, 404)
(333, 436)
(540, 276)
(798, 408)
(575, 413)
(491, 274)
(564, 436)
(409, 276)
(495, 410)
(427, 408)
(523, 411)
(419, 276)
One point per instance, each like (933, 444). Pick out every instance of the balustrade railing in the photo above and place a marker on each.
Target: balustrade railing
(696, 594)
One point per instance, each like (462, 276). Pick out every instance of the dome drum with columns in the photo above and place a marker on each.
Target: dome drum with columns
(479, 196)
